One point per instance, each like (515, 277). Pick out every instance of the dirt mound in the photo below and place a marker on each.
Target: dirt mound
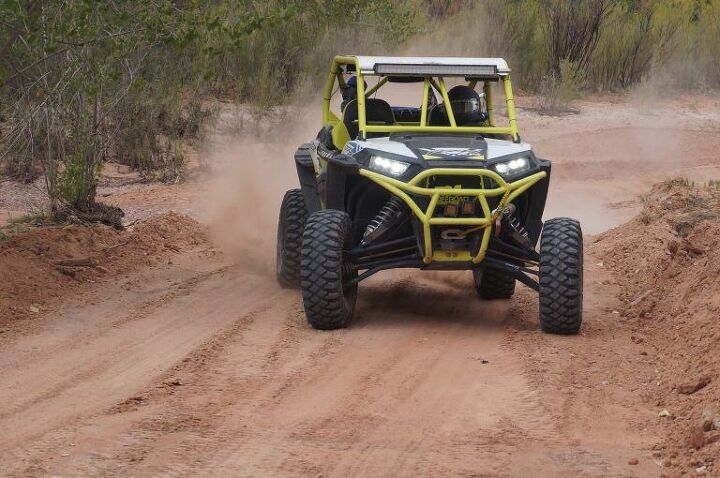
(667, 262)
(40, 265)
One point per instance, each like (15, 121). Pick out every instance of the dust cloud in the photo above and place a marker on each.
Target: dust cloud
(253, 166)
(604, 159)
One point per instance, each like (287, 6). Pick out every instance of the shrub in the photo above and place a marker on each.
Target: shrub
(557, 92)
(84, 81)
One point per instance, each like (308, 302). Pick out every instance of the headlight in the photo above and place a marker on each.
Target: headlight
(512, 167)
(388, 166)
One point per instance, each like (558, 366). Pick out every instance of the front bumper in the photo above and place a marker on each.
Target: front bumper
(507, 191)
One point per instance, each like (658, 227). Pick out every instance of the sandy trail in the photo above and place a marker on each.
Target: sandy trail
(204, 367)
(228, 380)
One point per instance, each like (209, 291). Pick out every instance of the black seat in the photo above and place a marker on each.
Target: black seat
(438, 117)
(377, 111)
(407, 114)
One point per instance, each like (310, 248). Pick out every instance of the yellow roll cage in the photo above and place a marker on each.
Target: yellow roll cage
(418, 186)
(336, 75)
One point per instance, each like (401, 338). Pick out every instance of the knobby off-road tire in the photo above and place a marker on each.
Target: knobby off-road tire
(561, 276)
(324, 270)
(494, 284)
(291, 224)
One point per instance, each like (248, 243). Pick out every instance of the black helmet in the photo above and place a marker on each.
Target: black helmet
(465, 104)
(349, 91)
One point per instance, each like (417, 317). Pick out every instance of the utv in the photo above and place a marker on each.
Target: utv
(438, 185)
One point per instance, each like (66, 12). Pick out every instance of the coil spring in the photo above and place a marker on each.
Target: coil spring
(390, 210)
(515, 224)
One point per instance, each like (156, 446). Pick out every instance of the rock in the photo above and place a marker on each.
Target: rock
(692, 248)
(707, 421)
(664, 413)
(701, 470)
(716, 423)
(640, 298)
(34, 308)
(636, 340)
(66, 271)
(696, 439)
(633, 461)
(673, 247)
(692, 387)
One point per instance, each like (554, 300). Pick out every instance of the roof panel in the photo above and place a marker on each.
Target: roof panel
(367, 63)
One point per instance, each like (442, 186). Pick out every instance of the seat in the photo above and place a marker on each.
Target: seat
(407, 114)
(438, 117)
(377, 111)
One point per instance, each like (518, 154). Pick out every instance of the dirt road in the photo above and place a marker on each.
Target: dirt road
(204, 367)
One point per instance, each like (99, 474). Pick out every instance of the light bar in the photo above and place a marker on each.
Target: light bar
(436, 70)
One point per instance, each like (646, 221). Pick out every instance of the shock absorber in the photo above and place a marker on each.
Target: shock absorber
(389, 215)
(509, 224)
(518, 232)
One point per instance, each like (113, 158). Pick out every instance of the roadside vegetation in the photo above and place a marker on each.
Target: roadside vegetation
(561, 49)
(84, 82)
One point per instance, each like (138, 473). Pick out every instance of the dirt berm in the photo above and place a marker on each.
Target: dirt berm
(667, 264)
(46, 263)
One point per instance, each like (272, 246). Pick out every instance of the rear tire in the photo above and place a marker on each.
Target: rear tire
(291, 224)
(324, 270)
(561, 276)
(493, 284)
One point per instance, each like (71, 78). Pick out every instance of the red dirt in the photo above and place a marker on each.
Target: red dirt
(667, 263)
(189, 362)
(29, 277)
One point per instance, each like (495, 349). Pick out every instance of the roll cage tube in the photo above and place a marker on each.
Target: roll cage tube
(336, 73)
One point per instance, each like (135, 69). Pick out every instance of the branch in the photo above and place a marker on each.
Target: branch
(5, 50)
(63, 50)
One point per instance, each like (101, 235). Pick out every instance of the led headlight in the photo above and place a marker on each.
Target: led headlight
(512, 167)
(388, 166)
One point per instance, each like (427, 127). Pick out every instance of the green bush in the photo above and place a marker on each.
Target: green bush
(558, 91)
(82, 81)
(615, 44)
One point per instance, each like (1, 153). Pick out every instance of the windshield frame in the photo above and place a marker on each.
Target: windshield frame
(438, 82)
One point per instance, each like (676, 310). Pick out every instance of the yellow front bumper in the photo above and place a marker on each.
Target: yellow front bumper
(507, 191)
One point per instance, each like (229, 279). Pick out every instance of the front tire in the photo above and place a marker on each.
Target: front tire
(561, 276)
(291, 224)
(324, 270)
(493, 284)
